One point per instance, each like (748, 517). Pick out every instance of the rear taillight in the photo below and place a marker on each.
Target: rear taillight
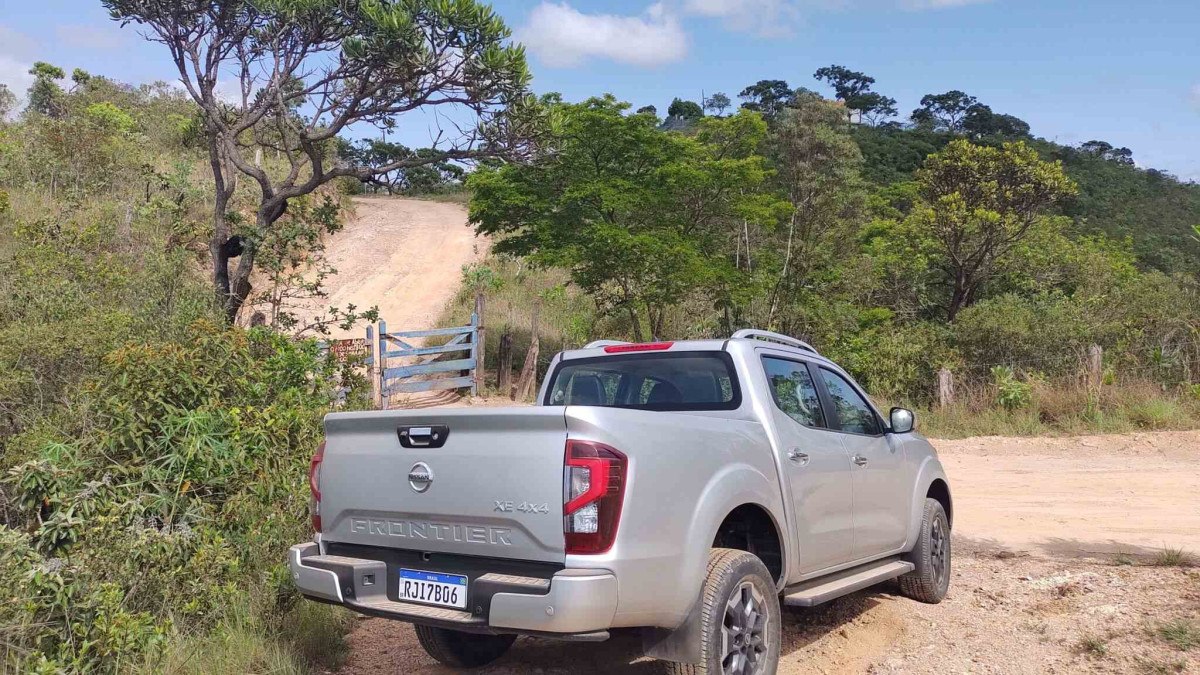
(314, 485)
(593, 490)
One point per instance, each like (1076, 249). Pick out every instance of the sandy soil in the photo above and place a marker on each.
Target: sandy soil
(1133, 493)
(1037, 587)
(403, 255)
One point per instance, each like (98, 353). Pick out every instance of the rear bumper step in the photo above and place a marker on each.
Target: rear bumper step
(575, 604)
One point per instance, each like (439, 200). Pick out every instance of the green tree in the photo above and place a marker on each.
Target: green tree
(342, 64)
(682, 115)
(8, 102)
(717, 103)
(977, 204)
(944, 112)
(876, 108)
(981, 122)
(648, 110)
(423, 178)
(767, 97)
(854, 90)
(1105, 150)
(642, 219)
(817, 167)
(45, 94)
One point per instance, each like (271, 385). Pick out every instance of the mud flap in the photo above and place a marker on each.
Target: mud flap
(681, 644)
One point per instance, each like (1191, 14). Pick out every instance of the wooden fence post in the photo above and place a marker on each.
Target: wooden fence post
(381, 367)
(481, 338)
(373, 365)
(945, 387)
(1095, 366)
(529, 368)
(504, 376)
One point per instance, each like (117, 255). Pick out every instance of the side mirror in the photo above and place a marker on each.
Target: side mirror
(902, 420)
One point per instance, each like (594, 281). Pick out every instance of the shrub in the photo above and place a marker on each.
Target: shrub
(1011, 393)
(180, 496)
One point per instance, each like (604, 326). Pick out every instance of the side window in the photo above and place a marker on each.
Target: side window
(794, 392)
(853, 413)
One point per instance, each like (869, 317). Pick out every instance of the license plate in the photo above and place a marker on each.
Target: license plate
(433, 588)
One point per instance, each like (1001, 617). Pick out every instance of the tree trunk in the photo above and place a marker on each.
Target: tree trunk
(220, 231)
(787, 261)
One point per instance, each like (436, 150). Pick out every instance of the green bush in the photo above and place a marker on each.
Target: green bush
(180, 495)
(1011, 393)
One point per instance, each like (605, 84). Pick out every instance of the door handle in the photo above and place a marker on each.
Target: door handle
(798, 457)
(860, 460)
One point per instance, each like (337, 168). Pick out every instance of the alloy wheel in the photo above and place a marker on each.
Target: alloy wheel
(744, 632)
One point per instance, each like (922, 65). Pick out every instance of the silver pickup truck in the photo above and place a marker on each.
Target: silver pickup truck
(682, 489)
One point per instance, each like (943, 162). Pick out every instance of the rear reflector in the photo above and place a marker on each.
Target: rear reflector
(641, 347)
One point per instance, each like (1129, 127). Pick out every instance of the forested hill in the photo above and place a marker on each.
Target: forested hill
(1153, 209)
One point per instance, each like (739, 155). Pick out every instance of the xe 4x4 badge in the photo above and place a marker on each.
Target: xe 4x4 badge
(524, 507)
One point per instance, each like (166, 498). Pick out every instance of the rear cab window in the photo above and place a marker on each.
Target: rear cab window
(686, 380)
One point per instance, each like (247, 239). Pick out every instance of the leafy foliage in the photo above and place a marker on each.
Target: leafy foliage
(635, 214)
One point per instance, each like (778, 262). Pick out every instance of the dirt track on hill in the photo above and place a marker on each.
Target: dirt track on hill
(1038, 586)
(403, 255)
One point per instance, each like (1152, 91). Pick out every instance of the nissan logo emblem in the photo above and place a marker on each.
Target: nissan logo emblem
(420, 476)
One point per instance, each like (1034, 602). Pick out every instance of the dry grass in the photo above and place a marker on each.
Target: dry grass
(1093, 646)
(1183, 634)
(1066, 407)
(1172, 557)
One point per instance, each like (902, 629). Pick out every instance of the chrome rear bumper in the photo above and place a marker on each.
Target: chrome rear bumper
(574, 604)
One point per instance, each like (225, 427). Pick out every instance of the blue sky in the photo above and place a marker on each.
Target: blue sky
(1121, 71)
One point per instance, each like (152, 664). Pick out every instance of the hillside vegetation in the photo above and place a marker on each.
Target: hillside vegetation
(152, 457)
(153, 445)
(954, 241)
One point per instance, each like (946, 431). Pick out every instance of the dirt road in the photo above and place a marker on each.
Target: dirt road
(404, 255)
(1134, 493)
(1038, 585)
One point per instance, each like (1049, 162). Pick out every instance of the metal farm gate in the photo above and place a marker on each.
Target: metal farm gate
(398, 367)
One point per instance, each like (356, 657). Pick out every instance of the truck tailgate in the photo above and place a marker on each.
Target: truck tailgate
(494, 489)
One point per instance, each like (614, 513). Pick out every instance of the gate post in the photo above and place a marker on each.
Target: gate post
(481, 338)
(373, 365)
(475, 354)
(383, 401)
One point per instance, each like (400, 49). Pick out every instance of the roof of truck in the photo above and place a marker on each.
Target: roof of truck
(750, 337)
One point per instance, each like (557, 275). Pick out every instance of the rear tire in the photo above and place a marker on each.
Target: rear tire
(740, 618)
(931, 556)
(462, 650)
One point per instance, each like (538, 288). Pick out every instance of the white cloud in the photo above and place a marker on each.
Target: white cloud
(561, 35)
(15, 74)
(769, 18)
(16, 58)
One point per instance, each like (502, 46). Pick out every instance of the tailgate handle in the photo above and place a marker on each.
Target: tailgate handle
(428, 436)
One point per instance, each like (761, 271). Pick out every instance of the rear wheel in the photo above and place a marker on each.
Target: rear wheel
(462, 650)
(931, 578)
(739, 618)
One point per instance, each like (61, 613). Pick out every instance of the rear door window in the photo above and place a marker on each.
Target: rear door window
(670, 381)
(794, 391)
